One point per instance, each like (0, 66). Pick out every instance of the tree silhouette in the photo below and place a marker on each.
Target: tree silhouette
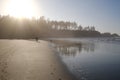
(11, 27)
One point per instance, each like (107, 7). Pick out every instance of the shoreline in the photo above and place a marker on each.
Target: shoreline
(29, 60)
(64, 67)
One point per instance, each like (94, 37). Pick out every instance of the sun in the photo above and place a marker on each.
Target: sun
(22, 8)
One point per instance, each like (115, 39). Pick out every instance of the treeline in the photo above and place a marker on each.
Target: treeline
(11, 27)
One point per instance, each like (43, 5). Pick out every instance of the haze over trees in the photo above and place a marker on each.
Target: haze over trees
(11, 27)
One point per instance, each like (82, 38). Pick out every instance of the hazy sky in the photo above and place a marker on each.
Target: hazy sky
(103, 14)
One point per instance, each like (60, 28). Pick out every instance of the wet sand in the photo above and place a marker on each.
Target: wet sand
(30, 60)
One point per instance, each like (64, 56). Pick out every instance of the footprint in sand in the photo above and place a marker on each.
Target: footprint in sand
(52, 73)
(59, 79)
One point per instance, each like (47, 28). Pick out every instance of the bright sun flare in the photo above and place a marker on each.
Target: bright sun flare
(22, 8)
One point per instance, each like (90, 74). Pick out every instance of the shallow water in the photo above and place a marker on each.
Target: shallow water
(91, 58)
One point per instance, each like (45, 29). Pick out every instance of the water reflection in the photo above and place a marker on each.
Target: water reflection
(72, 49)
(93, 59)
(89, 47)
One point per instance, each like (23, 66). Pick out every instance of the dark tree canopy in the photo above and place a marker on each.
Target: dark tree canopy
(11, 27)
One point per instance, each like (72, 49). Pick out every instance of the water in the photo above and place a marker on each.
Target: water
(91, 58)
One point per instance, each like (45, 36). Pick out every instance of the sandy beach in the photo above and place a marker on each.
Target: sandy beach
(30, 60)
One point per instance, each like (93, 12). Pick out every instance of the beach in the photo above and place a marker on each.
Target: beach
(30, 60)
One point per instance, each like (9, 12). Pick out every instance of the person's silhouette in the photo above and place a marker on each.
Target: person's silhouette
(36, 39)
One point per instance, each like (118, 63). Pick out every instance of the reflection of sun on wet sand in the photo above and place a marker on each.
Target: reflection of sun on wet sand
(29, 60)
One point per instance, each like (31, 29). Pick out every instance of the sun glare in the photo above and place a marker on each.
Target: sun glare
(22, 8)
